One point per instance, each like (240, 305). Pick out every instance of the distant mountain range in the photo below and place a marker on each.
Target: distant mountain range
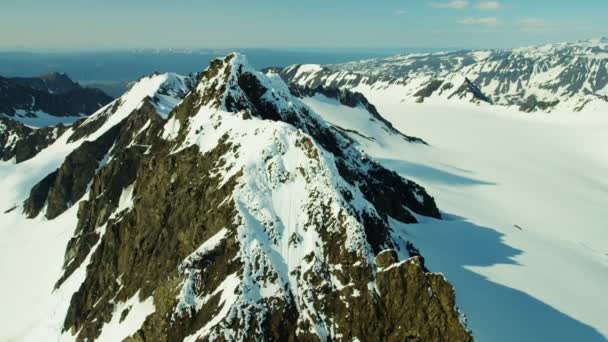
(567, 76)
(51, 98)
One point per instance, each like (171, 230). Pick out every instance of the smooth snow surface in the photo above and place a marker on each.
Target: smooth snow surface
(525, 238)
(32, 258)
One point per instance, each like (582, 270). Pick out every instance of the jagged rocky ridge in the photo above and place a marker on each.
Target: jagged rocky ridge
(569, 76)
(54, 94)
(240, 214)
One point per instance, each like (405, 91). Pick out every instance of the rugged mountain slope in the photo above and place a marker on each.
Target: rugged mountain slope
(568, 76)
(49, 98)
(242, 214)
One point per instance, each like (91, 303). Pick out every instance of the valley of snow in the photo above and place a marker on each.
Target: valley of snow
(525, 235)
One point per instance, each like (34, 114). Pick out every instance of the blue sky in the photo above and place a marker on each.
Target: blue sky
(114, 24)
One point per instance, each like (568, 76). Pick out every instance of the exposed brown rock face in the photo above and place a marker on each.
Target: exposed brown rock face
(162, 221)
(38, 195)
(143, 246)
(386, 258)
(77, 171)
(406, 285)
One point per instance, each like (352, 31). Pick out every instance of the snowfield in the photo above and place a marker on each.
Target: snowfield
(525, 240)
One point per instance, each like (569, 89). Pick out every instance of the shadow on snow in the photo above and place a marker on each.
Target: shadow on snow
(496, 312)
(430, 174)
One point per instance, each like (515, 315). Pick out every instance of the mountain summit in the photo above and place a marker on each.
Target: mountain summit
(236, 213)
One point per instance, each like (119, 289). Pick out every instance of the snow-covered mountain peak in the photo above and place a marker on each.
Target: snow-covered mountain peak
(230, 86)
(165, 90)
(162, 91)
(172, 89)
(243, 203)
(220, 79)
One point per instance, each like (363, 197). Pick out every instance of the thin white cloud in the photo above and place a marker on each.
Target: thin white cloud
(536, 25)
(489, 5)
(453, 4)
(400, 12)
(485, 21)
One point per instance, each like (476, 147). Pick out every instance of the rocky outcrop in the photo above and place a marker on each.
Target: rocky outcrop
(469, 88)
(77, 171)
(428, 90)
(532, 104)
(38, 195)
(438, 321)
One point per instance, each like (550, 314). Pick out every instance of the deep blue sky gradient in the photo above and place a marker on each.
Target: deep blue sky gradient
(114, 24)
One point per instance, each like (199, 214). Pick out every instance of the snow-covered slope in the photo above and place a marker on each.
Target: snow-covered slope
(567, 76)
(525, 235)
(240, 215)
